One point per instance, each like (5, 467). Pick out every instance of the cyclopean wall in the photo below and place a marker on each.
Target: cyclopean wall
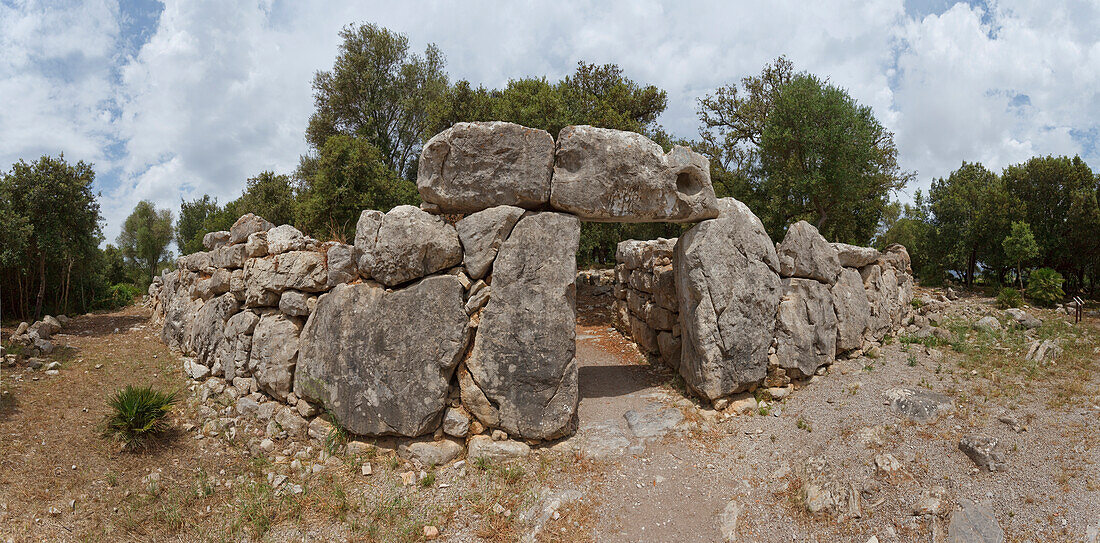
(751, 313)
(422, 326)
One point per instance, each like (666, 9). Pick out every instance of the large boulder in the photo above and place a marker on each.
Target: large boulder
(410, 244)
(473, 166)
(804, 253)
(381, 360)
(481, 235)
(853, 310)
(521, 375)
(207, 331)
(728, 287)
(266, 278)
(880, 288)
(366, 236)
(214, 240)
(274, 354)
(609, 175)
(806, 333)
(285, 238)
(854, 256)
(246, 225)
(340, 260)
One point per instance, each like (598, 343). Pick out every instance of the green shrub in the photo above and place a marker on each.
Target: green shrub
(137, 415)
(1045, 286)
(117, 296)
(1009, 297)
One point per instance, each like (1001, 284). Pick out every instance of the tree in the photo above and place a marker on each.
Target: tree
(145, 237)
(55, 216)
(795, 147)
(378, 91)
(268, 195)
(351, 176)
(1020, 246)
(192, 223)
(970, 212)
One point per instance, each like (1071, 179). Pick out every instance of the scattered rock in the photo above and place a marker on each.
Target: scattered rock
(974, 524)
(484, 447)
(930, 501)
(727, 521)
(988, 324)
(1023, 318)
(1041, 351)
(982, 450)
(921, 406)
(887, 464)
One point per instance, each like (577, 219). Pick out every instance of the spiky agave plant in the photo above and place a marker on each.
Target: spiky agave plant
(137, 415)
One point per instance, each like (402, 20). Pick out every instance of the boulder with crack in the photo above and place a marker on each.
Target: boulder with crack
(521, 374)
(381, 361)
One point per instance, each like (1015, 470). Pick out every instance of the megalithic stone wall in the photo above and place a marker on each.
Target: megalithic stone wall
(751, 313)
(422, 324)
(421, 320)
(645, 307)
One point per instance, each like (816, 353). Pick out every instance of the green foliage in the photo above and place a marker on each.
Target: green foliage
(794, 147)
(351, 175)
(1045, 286)
(379, 92)
(49, 236)
(268, 195)
(117, 296)
(1020, 247)
(195, 220)
(1009, 297)
(145, 237)
(970, 213)
(138, 414)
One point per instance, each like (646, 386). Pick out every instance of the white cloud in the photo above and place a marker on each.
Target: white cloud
(221, 90)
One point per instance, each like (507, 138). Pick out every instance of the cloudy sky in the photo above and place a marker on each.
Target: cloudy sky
(179, 99)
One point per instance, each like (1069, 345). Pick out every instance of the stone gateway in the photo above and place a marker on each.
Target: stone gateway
(464, 324)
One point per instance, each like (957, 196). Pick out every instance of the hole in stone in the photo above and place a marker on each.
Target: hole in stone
(688, 182)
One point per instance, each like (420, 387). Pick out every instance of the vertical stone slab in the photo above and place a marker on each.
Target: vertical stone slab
(806, 336)
(521, 375)
(382, 360)
(728, 286)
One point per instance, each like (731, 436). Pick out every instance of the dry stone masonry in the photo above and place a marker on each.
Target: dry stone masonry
(464, 324)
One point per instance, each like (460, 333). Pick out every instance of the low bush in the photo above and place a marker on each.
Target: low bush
(1045, 286)
(117, 296)
(1009, 297)
(138, 414)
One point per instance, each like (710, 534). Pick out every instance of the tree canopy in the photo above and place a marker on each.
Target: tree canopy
(795, 147)
(145, 237)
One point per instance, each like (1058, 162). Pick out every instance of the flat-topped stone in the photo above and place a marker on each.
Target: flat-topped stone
(615, 176)
(474, 166)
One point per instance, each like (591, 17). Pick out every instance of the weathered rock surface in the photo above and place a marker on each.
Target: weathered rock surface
(521, 375)
(881, 289)
(213, 240)
(1023, 318)
(285, 238)
(974, 524)
(341, 261)
(921, 406)
(267, 278)
(481, 235)
(473, 166)
(366, 236)
(382, 361)
(411, 244)
(806, 333)
(983, 451)
(431, 453)
(274, 354)
(609, 175)
(246, 225)
(853, 311)
(804, 253)
(728, 286)
(494, 451)
(207, 332)
(854, 256)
